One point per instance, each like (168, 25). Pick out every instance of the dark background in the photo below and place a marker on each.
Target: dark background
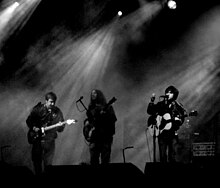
(173, 47)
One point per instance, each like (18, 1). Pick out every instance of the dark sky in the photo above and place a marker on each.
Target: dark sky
(76, 15)
(82, 15)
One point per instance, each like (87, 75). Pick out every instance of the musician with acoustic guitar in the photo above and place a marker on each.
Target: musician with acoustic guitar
(44, 122)
(168, 115)
(99, 127)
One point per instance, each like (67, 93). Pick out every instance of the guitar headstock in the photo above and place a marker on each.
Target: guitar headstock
(70, 121)
(112, 100)
(193, 113)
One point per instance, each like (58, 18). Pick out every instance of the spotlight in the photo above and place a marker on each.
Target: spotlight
(171, 4)
(119, 13)
(16, 4)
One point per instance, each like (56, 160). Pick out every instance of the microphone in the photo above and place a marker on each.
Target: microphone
(164, 96)
(80, 99)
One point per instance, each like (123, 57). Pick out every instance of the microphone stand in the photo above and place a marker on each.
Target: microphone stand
(123, 152)
(2, 156)
(154, 134)
(83, 104)
(154, 145)
(84, 130)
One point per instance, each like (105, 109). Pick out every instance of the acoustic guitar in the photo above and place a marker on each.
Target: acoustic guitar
(156, 125)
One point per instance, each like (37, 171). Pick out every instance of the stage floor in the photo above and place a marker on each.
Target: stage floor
(114, 174)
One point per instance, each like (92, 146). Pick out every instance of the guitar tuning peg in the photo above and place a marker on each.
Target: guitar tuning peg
(187, 123)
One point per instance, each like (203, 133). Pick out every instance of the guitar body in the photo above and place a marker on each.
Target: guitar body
(164, 122)
(158, 124)
(89, 131)
(33, 136)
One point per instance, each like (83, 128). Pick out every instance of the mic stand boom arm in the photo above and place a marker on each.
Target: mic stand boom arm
(83, 105)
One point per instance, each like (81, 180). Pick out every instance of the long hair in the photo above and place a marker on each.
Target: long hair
(100, 99)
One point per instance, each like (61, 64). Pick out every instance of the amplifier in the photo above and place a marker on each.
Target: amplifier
(203, 149)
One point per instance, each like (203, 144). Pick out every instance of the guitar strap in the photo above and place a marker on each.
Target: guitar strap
(179, 111)
(47, 117)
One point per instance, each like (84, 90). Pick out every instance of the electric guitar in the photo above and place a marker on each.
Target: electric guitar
(89, 125)
(34, 136)
(156, 125)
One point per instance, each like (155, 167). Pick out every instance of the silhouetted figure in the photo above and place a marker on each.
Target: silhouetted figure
(99, 127)
(42, 134)
(169, 116)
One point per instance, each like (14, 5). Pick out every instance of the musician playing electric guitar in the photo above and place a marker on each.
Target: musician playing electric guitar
(172, 115)
(99, 127)
(43, 146)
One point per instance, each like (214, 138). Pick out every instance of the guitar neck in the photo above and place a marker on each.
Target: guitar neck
(54, 126)
(109, 103)
(192, 113)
